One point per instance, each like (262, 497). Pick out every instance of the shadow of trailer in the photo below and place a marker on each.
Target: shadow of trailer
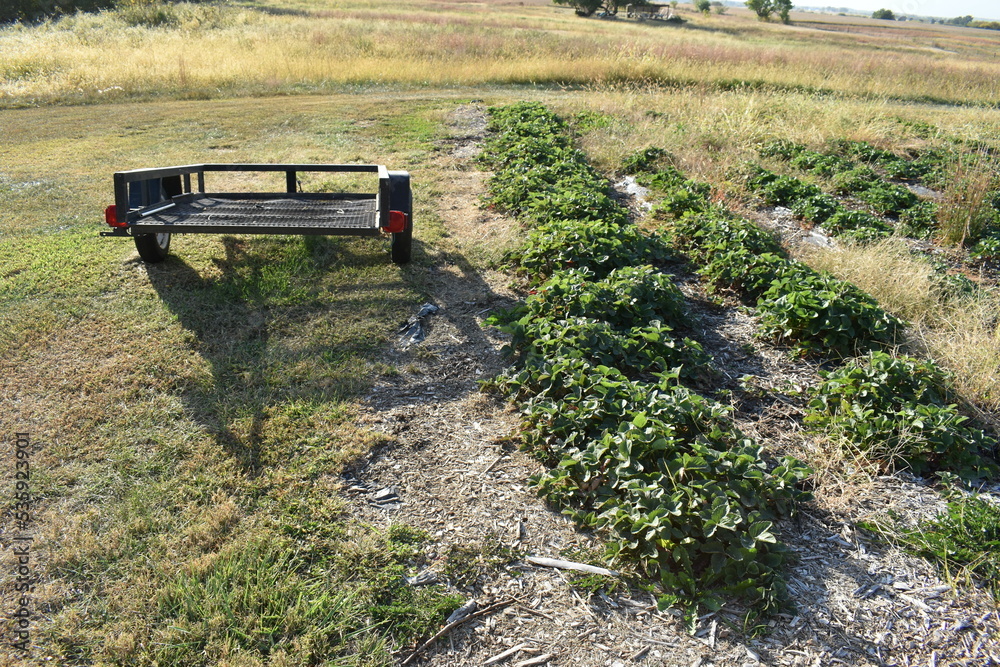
(153, 204)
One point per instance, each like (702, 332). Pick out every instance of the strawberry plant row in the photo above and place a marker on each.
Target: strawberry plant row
(813, 312)
(855, 170)
(604, 382)
(809, 203)
(845, 156)
(899, 412)
(895, 409)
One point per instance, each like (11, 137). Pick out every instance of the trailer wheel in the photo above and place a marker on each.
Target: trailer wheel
(152, 247)
(402, 242)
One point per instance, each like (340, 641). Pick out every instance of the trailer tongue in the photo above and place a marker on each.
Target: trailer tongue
(153, 204)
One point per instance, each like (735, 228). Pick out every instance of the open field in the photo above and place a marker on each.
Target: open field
(192, 421)
(197, 51)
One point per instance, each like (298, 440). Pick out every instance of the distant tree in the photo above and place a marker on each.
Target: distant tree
(719, 8)
(783, 7)
(988, 25)
(589, 7)
(884, 14)
(703, 6)
(764, 8)
(960, 20)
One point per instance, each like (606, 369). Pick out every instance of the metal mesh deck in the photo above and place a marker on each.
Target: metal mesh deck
(285, 215)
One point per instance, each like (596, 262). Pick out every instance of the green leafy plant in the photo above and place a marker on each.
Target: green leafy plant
(630, 450)
(862, 151)
(638, 351)
(647, 160)
(854, 181)
(575, 201)
(820, 315)
(780, 148)
(732, 253)
(627, 297)
(677, 195)
(784, 190)
(897, 411)
(820, 164)
(670, 178)
(857, 226)
(585, 121)
(678, 202)
(816, 208)
(887, 199)
(988, 247)
(920, 220)
(684, 494)
(600, 247)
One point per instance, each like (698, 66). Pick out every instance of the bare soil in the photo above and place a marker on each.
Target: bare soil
(453, 469)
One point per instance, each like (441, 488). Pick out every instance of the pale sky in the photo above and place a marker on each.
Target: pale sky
(981, 9)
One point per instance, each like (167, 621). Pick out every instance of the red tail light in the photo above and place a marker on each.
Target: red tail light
(397, 222)
(111, 217)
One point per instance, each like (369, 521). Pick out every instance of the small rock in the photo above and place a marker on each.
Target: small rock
(469, 607)
(424, 578)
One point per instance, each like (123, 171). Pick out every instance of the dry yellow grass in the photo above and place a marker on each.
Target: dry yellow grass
(711, 132)
(901, 282)
(280, 47)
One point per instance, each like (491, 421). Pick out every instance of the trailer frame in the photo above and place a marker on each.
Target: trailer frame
(153, 204)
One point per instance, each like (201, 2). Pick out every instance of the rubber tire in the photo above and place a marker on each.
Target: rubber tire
(152, 248)
(401, 250)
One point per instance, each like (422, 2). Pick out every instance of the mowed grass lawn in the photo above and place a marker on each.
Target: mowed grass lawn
(191, 419)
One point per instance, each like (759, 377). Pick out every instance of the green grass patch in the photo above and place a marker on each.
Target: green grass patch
(194, 416)
(963, 540)
(266, 597)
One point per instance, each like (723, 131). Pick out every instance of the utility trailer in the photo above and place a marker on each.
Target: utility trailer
(151, 205)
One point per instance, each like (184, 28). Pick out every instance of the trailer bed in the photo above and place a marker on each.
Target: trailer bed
(264, 214)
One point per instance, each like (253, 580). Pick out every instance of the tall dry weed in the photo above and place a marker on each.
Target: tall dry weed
(965, 210)
(242, 50)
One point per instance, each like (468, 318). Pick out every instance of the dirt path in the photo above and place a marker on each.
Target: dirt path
(453, 470)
